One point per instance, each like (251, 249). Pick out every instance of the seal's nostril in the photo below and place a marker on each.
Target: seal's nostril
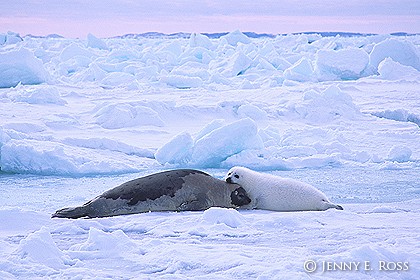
(229, 180)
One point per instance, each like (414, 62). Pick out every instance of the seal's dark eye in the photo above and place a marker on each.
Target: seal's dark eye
(236, 176)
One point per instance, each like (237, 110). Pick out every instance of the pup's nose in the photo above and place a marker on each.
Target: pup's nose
(229, 180)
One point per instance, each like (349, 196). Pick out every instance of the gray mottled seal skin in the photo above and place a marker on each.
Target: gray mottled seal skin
(174, 190)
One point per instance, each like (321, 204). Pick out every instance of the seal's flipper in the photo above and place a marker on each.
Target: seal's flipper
(71, 213)
(332, 205)
(200, 203)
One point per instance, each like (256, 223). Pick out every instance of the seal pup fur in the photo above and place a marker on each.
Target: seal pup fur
(173, 190)
(276, 193)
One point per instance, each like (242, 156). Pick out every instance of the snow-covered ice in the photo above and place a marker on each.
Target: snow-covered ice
(78, 117)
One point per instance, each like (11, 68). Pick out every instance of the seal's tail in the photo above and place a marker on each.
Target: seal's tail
(71, 213)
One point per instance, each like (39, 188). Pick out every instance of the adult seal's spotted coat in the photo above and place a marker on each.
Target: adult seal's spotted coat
(174, 190)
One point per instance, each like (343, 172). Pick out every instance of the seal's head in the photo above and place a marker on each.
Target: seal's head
(239, 197)
(236, 175)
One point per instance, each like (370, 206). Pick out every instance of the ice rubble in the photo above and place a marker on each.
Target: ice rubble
(10, 38)
(48, 157)
(94, 42)
(299, 58)
(389, 69)
(399, 154)
(402, 52)
(117, 77)
(21, 66)
(177, 151)
(109, 106)
(125, 115)
(39, 95)
(344, 64)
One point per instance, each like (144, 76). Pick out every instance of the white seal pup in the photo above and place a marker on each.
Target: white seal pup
(173, 190)
(275, 193)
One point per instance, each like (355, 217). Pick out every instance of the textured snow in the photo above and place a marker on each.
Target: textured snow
(80, 116)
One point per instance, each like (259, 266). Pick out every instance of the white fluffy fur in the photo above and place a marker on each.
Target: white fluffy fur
(278, 194)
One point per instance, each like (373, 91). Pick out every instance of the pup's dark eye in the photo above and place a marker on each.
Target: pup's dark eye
(236, 176)
(229, 173)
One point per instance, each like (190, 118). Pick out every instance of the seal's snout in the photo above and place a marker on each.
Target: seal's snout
(229, 180)
(239, 197)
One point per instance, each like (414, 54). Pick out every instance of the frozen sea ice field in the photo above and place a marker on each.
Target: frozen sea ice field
(80, 116)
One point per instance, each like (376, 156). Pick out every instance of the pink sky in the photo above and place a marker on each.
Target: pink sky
(107, 18)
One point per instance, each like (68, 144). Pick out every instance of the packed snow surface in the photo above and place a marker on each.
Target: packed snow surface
(78, 117)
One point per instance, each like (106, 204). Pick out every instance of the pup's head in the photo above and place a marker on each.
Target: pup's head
(236, 175)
